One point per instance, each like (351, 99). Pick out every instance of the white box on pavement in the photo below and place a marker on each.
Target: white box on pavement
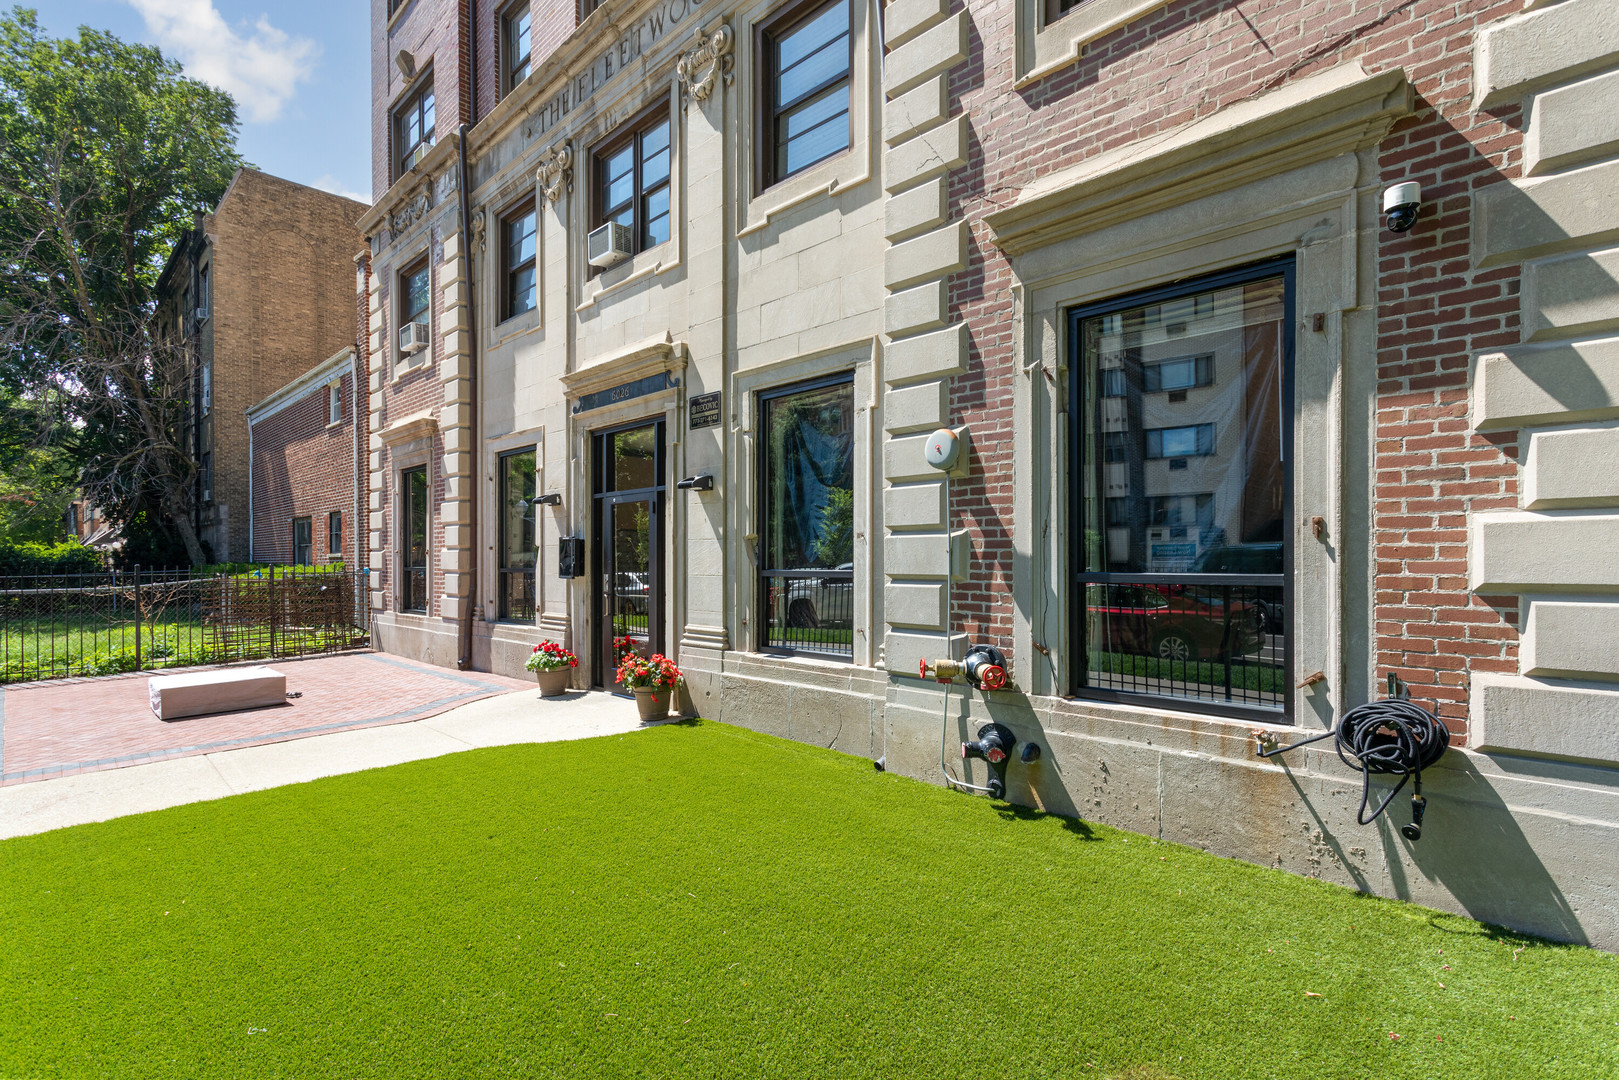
(199, 692)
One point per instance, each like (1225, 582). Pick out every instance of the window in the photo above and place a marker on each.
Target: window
(413, 130)
(806, 586)
(334, 536)
(1181, 555)
(517, 540)
(632, 182)
(1179, 373)
(413, 527)
(186, 314)
(207, 388)
(207, 476)
(586, 7)
(414, 295)
(517, 42)
(1056, 9)
(204, 294)
(303, 542)
(1194, 440)
(808, 59)
(334, 403)
(520, 287)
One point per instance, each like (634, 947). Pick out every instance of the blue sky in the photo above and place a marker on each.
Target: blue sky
(299, 70)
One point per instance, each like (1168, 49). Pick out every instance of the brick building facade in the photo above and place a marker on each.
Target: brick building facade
(261, 290)
(305, 495)
(1234, 451)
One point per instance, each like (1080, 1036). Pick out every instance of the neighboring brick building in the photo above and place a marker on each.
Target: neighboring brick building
(1236, 451)
(260, 289)
(305, 447)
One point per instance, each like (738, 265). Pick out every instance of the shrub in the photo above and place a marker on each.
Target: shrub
(67, 557)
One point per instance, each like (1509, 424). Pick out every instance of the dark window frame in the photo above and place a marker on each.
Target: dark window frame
(509, 59)
(771, 113)
(633, 131)
(764, 573)
(407, 569)
(421, 264)
(503, 570)
(1079, 463)
(525, 207)
(413, 100)
(1056, 9)
(303, 551)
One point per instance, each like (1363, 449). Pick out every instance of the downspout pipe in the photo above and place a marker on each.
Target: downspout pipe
(465, 662)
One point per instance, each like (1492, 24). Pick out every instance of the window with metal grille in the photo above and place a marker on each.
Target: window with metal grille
(1181, 586)
(518, 547)
(808, 56)
(517, 232)
(413, 550)
(806, 587)
(632, 180)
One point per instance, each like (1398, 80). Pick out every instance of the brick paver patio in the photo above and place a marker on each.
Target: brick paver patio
(60, 728)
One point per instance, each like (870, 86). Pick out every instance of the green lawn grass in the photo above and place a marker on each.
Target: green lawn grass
(701, 901)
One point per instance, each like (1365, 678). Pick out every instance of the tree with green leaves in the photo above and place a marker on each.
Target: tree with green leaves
(107, 151)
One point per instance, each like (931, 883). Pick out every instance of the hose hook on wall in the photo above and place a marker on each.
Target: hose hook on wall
(1391, 737)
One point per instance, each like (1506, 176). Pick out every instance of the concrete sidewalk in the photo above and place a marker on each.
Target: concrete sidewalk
(518, 717)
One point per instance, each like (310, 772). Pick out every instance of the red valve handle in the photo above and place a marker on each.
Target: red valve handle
(992, 676)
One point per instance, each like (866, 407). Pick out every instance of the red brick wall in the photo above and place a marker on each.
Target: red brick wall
(434, 33)
(1189, 60)
(550, 24)
(302, 467)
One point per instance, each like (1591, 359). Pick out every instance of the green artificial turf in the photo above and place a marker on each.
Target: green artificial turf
(700, 901)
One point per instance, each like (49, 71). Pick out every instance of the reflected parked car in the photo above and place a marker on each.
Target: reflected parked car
(1248, 559)
(633, 591)
(1171, 622)
(810, 602)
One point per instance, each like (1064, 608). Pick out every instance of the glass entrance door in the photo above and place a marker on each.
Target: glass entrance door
(628, 593)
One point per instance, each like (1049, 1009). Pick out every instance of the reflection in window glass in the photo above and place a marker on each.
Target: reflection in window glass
(808, 90)
(635, 458)
(808, 550)
(1181, 455)
(413, 586)
(518, 548)
(519, 229)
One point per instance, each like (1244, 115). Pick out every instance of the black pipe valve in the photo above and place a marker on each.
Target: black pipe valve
(994, 746)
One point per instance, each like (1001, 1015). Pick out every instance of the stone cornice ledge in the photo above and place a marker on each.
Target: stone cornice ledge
(409, 428)
(635, 362)
(423, 171)
(1315, 118)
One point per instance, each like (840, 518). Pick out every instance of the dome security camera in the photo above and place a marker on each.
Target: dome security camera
(1401, 202)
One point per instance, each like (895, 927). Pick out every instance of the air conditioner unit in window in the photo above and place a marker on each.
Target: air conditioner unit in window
(202, 314)
(608, 245)
(413, 337)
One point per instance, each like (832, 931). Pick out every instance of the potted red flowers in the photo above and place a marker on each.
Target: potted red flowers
(653, 682)
(554, 666)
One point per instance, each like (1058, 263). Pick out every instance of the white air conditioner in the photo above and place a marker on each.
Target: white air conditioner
(413, 337)
(202, 314)
(608, 245)
(207, 495)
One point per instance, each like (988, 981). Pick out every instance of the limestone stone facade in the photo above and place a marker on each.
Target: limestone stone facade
(1442, 513)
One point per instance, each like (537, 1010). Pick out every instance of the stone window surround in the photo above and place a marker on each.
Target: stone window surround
(1301, 197)
(1044, 48)
(595, 286)
(839, 172)
(413, 455)
(743, 483)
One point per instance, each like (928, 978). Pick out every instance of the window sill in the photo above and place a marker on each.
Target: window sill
(841, 171)
(330, 424)
(644, 265)
(402, 372)
(1043, 50)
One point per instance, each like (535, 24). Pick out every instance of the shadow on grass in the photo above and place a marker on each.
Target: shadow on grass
(1075, 825)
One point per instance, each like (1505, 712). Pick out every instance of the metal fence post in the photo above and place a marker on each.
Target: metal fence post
(137, 616)
(275, 611)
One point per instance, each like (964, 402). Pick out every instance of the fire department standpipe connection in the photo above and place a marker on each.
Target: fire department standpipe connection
(984, 666)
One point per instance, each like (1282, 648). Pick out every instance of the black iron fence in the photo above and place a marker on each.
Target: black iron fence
(61, 625)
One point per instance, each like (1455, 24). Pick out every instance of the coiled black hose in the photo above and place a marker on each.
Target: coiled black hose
(1390, 737)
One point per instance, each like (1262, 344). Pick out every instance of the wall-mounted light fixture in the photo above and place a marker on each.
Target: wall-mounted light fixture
(700, 482)
(553, 499)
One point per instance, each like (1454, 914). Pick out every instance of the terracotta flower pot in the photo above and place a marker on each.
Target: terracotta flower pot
(654, 704)
(555, 682)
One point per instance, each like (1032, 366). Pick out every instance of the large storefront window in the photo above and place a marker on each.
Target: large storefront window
(413, 586)
(517, 546)
(1182, 493)
(807, 571)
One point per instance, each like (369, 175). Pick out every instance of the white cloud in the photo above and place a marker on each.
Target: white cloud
(259, 65)
(328, 182)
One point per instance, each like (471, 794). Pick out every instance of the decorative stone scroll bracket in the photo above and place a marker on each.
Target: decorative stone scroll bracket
(554, 173)
(701, 68)
(480, 220)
